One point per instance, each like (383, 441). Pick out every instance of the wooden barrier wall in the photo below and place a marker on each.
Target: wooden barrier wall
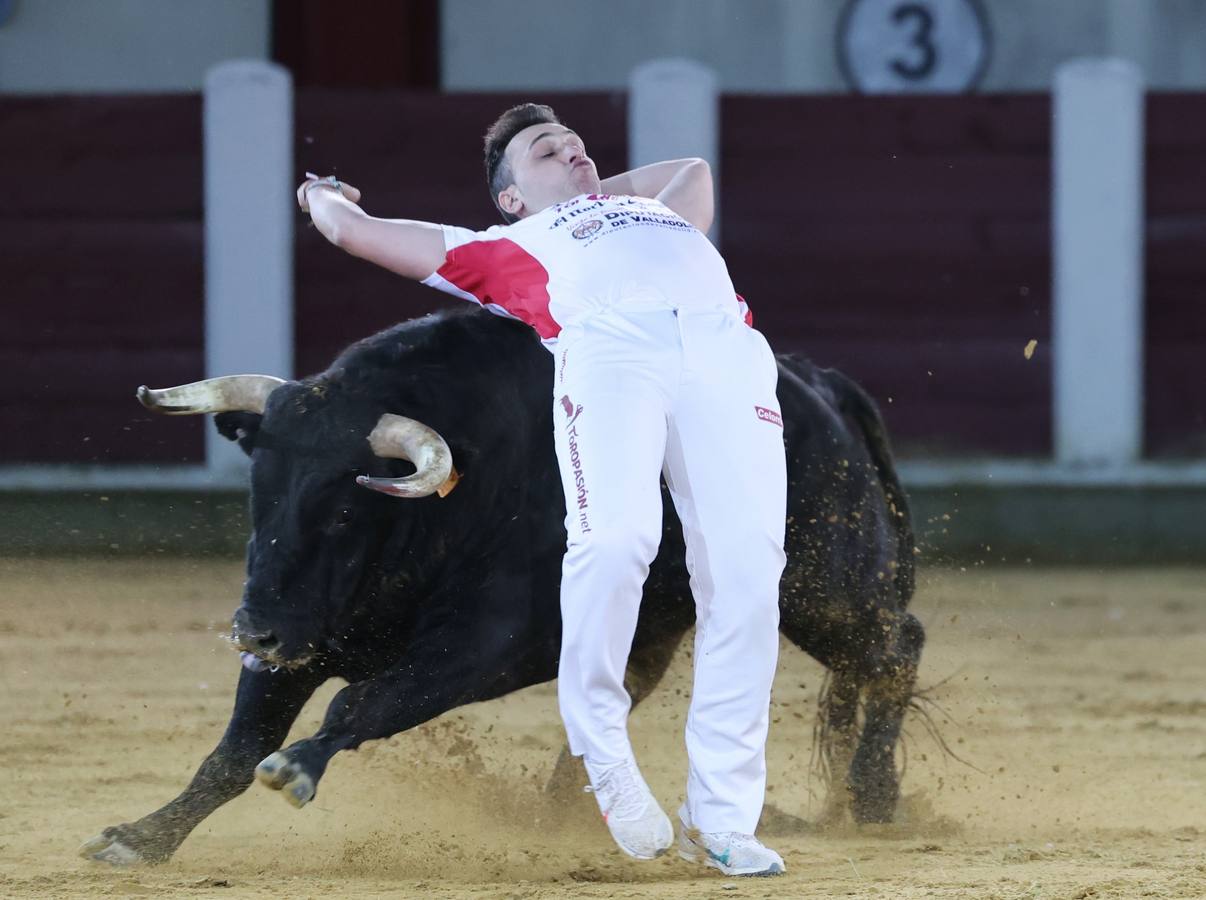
(905, 241)
(1175, 282)
(101, 275)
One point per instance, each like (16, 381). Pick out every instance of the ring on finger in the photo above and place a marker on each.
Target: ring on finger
(330, 181)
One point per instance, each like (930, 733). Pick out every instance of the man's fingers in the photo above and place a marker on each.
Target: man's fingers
(301, 195)
(346, 190)
(302, 202)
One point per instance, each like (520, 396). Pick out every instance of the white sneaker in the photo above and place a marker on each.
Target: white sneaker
(729, 851)
(633, 816)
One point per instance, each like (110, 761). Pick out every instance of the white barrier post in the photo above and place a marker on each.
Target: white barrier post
(249, 209)
(674, 111)
(1097, 233)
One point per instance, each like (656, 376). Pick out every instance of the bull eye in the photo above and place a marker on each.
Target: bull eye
(344, 516)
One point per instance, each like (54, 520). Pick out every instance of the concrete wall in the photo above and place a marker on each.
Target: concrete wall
(1166, 38)
(777, 46)
(785, 46)
(755, 45)
(957, 525)
(105, 46)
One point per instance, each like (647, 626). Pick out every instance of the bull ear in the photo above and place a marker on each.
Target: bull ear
(239, 426)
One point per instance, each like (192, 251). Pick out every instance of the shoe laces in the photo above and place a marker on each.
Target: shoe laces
(738, 840)
(732, 841)
(625, 795)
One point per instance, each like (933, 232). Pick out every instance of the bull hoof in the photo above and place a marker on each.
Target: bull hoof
(108, 847)
(874, 803)
(280, 774)
(874, 789)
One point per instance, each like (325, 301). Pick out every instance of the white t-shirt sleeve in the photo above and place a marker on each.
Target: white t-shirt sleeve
(454, 237)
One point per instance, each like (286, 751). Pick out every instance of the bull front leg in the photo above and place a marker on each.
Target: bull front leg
(430, 680)
(266, 705)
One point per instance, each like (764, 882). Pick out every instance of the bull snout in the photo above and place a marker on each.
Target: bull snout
(254, 637)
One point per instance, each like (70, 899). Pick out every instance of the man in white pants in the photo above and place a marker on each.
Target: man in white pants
(657, 373)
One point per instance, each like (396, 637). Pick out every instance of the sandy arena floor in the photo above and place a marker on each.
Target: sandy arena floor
(1078, 696)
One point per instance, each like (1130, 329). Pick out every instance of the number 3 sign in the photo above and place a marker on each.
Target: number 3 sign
(913, 46)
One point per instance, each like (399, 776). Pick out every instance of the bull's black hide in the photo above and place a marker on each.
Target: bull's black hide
(426, 605)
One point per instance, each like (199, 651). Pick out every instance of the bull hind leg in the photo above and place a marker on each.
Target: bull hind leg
(647, 664)
(874, 782)
(837, 738)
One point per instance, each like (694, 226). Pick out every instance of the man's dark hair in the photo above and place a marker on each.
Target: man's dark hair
(498, 171)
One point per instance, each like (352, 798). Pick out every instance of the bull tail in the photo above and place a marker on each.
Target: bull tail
(854, 402)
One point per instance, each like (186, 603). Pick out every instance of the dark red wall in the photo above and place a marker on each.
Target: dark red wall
(100, 275)
(1175, 281)
(368, 44)
(905, 241)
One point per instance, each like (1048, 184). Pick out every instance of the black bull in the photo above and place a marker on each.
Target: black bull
(424, 605)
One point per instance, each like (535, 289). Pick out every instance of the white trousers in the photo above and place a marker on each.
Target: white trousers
(691, 396)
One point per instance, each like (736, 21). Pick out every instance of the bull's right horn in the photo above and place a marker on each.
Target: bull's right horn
(229, 393)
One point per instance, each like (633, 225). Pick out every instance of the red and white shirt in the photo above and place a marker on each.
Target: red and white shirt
(594, 253)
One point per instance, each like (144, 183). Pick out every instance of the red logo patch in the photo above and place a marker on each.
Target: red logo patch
(769, 415)
(571, 412)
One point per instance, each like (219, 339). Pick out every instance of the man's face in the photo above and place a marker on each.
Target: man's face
(550, 165)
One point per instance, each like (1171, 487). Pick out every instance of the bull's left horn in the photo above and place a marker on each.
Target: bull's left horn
(397, 437)
(230, 393)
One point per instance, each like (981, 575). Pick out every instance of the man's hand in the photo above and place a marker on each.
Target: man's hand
(329, 183)
(684, 185)
(413, 249)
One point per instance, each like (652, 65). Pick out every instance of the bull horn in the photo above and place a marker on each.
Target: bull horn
(230, 393)
(397, 437)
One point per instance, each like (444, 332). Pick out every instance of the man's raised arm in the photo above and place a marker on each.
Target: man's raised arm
(409, 248)
(684, 185)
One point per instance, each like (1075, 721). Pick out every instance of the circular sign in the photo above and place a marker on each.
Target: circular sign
(913, 46)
